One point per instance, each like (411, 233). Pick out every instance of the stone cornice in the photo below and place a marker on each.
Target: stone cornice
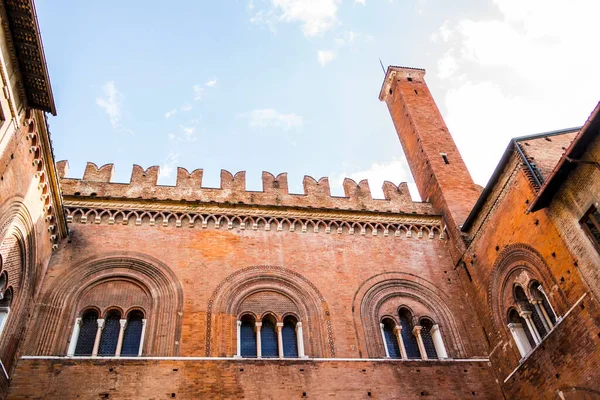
(228, 216)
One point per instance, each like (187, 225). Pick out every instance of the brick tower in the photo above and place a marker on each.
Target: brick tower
(435, 162)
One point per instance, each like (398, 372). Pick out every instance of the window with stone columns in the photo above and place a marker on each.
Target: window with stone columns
(404, 317)
(6, 296)
(525, 298)
(530, 317)
(107, 335)
(407, 340)
(270, 336)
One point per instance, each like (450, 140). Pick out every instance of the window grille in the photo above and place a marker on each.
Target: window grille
(391, 340)
(548, 309)
(268, 339)
(591, 225)
(248, 339)
(290, 341)
(537, 321)
(87, 334)
(410, 341)
(527, 331)
(427, 339)
(110, 334)
(133, 334)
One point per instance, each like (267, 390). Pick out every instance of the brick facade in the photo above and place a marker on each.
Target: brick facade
(477, 294)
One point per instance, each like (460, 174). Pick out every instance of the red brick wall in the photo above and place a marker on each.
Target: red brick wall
(226, 379)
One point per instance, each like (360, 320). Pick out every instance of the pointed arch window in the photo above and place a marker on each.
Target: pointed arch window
(268, 337)
(289, 337)
(88, 328)
(392, 346)
(133, 334)
(110, 334)
(410, 341)
(247, 337)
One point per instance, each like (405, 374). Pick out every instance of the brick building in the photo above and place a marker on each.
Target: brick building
(138, 290)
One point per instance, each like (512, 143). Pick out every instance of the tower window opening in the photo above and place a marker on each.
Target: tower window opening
(445, 158)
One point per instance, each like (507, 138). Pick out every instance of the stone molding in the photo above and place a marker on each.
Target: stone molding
(253, 218)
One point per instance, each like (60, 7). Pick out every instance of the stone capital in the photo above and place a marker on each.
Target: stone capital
(417, 330)
(100, 323)
(398, 329)
(123, 322)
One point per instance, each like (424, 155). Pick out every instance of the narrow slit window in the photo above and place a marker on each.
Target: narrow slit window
(445, 158)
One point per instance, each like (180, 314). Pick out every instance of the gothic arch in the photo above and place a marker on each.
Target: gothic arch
(378, 295)
(224, 306)
(58, 307)
(518, 264)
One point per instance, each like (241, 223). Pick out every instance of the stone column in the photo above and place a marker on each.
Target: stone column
(520, 338)
(280, 339)
(398, 332)
(526, 315)
(123, 323)
(556, 317)
(257, 327)
(142, 337)
(438, 342)
(417, 332)
(385, 347)
(542, 313)
(98, 335)
(239, 339)
(74, 337)
(300, 340)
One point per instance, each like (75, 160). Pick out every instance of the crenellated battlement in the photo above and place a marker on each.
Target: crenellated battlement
(143, 185)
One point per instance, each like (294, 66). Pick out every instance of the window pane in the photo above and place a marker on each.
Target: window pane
(527, 331)
(593, 229)
(110, 335)
(87, 334)
(132, 336)
(548, 309)
(391, 341)
(290, 341)
(537, 321)
(268, 339)
(248, 339)
(428, 341)
(410, 341)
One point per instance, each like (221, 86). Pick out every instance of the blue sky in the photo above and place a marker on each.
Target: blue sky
(292, 85)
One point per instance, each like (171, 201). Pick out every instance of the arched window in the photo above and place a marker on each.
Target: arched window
(427, 325)
(268, 338)
(289, 337)
(110, 334)
(525, 305)
(520, 331)
(87, 334)
(538, 294)
(133, 335)
(410, 341)
(247, 337)
(391, 341)
(5, 302)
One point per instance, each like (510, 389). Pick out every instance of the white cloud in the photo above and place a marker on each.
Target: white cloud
(171, 136)
(211, 83)
(270, 118)
(170, 113)
(515, 75)
(168, 165)
(111, 103)
(325, 57)
(188, 133)
(186, 107)
(363, 2)
(394, 171)
(315, 16)
(198, 92)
